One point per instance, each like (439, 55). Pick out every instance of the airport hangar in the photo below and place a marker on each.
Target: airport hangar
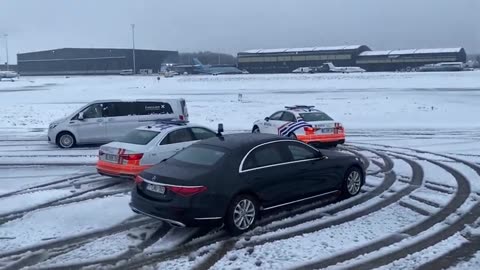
(78, 61)
(286, 60)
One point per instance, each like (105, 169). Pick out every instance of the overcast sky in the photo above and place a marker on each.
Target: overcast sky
(231, 26)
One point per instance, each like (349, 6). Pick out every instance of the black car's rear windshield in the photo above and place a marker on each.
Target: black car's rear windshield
(198, 155)
(141, 137)
(315, 116)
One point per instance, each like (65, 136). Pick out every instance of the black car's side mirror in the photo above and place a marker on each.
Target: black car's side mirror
(220, 129)
(267, 119)
(321, 156)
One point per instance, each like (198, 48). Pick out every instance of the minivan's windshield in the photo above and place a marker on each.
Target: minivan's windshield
(199, 156)
(142, 137)
(315, 116)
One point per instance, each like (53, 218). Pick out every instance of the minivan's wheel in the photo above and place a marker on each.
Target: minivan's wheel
(241, 214)
(255, 129)
(352, 182)
(66, 140)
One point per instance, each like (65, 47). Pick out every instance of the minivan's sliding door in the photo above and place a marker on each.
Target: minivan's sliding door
(120, 119)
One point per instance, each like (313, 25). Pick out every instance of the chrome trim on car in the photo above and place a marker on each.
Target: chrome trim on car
(167, 185)
(207, 218)
(300, 200)
(170, 221)
(240, 170)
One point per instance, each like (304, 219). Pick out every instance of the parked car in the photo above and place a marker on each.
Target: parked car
(231, 179)
(145, 146)
(304, 123)
(104, 121)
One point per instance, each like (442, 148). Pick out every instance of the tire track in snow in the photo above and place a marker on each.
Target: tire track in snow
(4, 218)
(65, 244)
(34, 188)
(384, 258)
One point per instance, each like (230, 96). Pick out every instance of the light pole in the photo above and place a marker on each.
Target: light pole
(133, 49)
(6, 48)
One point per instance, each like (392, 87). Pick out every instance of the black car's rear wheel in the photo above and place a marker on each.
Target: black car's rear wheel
(241, 214)
(352, 182)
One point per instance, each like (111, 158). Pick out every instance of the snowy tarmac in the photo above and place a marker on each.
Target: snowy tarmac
(420, 207)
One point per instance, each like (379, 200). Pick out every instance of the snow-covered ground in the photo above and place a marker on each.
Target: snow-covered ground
(55, 211)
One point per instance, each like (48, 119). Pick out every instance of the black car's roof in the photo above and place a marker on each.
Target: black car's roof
(241, 140)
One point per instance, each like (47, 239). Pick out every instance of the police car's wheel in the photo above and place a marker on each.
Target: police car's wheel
(255, 129)
(65, 140)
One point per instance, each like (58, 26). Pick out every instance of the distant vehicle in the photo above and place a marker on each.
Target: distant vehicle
(10, 75)
(109, 120)
(329, 67)
(146, 146)
(231, 179)
(304, 123)
(169, 74)
(447, 66)
(214, 70)
(126, 72)
(305, 70)
(199, 68)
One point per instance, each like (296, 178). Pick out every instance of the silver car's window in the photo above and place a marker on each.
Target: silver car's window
(142, 137)
(276, 116)
(93, 111)
(202, 133)
(315, 116)
(178, 136)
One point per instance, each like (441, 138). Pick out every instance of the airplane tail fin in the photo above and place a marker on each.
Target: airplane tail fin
(197, 62)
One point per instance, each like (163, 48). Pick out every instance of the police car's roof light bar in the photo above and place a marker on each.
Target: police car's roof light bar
(299, 107)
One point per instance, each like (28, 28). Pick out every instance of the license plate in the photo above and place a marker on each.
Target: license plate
(156, 188)
(112, 158)
(327, 130)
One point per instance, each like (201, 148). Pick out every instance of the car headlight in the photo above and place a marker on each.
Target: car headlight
(52, 125)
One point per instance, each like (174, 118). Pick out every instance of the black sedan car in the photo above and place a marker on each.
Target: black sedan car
(230, 179)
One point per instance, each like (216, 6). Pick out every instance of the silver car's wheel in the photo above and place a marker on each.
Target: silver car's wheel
(244, 214)
(66, 140)
(354, 182)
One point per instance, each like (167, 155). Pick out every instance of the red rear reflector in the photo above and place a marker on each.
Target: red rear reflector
(309, 130)
(186, 191)
(131, 156)
(138, 180)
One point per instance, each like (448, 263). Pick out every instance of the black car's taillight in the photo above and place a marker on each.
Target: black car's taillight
(186, 191)
(138, 179)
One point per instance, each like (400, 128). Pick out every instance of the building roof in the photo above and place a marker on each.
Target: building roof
(306, 49)
(411, 51)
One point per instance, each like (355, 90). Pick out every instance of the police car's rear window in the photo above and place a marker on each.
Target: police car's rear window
(141, 137)
(315, 116)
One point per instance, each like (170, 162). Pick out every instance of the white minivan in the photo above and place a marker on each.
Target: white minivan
(103, 121)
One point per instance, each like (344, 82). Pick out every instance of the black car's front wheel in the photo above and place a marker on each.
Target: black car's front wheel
(352, 182)
(241, 214)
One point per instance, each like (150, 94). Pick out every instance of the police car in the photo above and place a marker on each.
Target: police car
(147, 146)
(304, 123)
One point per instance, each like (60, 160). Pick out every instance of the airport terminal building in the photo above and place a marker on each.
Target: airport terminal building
(77, 61)
(404, 59)
(286, 60)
